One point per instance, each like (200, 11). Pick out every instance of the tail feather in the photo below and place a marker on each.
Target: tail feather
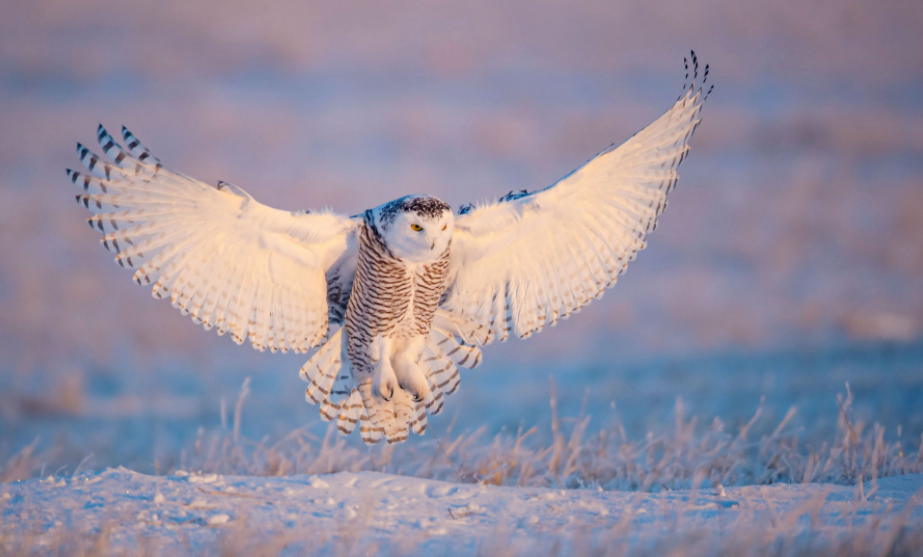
(321, 370)
(331, 385)
(371, 433)
(418, 423)
(390, 419)
(343, 386)
(349, 413)
(453, 342)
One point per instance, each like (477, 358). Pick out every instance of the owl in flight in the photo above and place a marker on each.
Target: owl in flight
(416, 288)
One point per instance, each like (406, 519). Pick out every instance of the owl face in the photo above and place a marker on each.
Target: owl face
(416, 228)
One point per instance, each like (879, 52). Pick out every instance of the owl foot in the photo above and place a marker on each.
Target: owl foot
(413, 380)
(384, 384)
(407, 368)
(390, 394)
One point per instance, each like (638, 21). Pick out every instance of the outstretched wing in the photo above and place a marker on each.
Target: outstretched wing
(527, 260)
(216, 253)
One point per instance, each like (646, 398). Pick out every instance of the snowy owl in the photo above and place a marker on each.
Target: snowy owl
(415, 288)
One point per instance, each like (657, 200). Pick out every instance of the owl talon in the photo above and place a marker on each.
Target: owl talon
(415, 394)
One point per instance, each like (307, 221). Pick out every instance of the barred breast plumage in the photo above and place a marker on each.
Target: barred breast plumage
(392, 300)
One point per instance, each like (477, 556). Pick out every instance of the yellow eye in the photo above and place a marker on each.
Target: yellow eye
(444, 225)
(416, 227)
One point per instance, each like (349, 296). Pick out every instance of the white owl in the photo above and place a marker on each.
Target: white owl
(416, 287)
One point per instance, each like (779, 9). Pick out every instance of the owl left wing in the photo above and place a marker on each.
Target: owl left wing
(529, 259)
(217, 254)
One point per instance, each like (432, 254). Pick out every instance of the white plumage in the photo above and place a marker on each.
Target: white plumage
(416, 287)
(216, 253)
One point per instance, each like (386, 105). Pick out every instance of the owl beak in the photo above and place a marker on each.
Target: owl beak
(433, 245)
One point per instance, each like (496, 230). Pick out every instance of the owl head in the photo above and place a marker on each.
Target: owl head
(416, 228)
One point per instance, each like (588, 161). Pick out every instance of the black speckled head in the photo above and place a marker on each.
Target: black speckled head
(416, 228)
(423, 205)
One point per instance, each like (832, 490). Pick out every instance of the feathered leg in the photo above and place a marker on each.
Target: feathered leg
(407, 363)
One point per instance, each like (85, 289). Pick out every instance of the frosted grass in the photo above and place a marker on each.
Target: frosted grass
(572, 457)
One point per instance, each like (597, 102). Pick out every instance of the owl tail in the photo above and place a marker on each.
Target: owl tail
(330, 384)
(321, 370)
(452, 342)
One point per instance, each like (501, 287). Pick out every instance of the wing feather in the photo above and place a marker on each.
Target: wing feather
(221, 257)
(528, 260)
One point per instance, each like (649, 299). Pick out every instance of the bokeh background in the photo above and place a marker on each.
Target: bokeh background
(796, 229)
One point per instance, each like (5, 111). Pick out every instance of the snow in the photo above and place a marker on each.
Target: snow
(186, 513)
(638, 438)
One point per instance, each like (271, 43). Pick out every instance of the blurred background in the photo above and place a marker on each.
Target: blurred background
(790, 259)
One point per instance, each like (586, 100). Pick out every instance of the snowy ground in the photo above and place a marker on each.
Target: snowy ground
(360, 513)
(617, 427)
(143, 422)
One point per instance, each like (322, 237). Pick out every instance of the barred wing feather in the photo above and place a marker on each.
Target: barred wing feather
(216, 253)
(528, 260)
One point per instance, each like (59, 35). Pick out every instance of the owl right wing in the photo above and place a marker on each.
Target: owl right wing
(219, 255)
(529, 259)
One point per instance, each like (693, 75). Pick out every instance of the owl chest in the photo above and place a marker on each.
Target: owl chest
(391, 297)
